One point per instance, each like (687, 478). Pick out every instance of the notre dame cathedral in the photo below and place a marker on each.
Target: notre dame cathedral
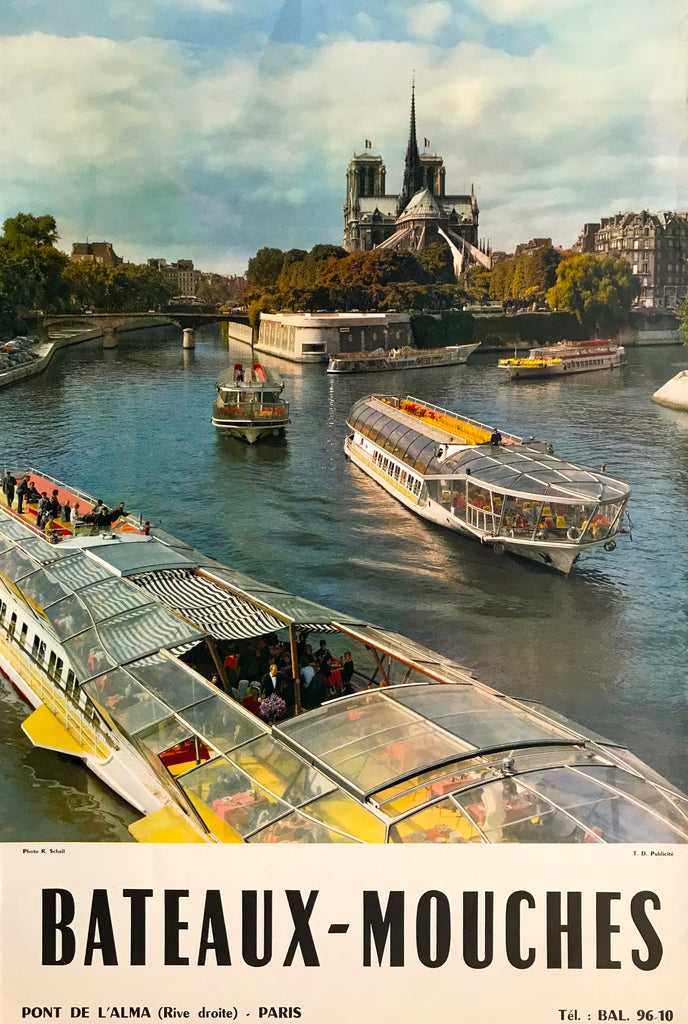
(423, 213)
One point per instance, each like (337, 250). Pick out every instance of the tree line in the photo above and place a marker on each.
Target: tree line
(35, 275)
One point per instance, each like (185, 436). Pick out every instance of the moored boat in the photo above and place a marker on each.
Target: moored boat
(116, 640)
(565, 357)
(405, 358)
(249, 403)
(510, 494)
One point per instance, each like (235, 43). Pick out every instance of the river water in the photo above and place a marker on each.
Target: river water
(605, 646)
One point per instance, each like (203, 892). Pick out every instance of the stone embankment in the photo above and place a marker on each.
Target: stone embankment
(41, 353)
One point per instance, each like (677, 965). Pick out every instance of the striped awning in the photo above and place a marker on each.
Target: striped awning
(223, 615)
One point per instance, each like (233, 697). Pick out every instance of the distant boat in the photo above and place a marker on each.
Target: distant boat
(399, 359)
(565, 357)
(249, 403)
(674, 394)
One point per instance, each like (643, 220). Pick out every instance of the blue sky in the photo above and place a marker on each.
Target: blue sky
(206, 129)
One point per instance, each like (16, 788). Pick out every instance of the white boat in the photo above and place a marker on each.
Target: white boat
(510, 494)
(101, 633)
(399, 359)
(565, 357)
(674, 394)
(249, 403)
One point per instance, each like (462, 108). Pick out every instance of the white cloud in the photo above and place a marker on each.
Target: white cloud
(426, 20)
(140, 143)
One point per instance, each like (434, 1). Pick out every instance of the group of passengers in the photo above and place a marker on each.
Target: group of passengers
(260, 668)
(52, 515)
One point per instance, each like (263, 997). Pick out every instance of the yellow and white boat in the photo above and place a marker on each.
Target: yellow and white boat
(100, 633)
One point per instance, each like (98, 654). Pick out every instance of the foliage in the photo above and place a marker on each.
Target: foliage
(598, 289)
(438, 263)
(111, 289)
(30, 269)
(523, 279)
(264, 268)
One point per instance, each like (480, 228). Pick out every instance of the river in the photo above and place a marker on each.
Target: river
(605, 646)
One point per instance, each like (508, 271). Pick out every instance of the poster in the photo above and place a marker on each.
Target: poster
(223, 121)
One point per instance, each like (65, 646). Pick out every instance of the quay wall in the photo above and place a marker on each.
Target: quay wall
(44, 352)
(522, 331)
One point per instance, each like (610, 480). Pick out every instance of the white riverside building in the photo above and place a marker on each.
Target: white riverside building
(315, 337)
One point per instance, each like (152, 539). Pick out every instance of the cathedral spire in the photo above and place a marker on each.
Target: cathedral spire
(412, 169)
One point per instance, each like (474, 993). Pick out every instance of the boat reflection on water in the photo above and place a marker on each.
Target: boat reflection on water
(123, 642)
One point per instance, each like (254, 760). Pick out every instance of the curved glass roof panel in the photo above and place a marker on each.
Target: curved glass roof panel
(125, 701)
(163, 735)
(297, 828)
(478, 718)
(78, 571)
(14, 564)
(369, 740)
(15, 530)
(638, 789)
(110, 596)
(224, 794)
(220, 722)
(171, 681)
(282, 772)
(140, 631)
(610, 814)
(87, 654)
(340, 811)
(444, 822)
(43, 588)
(69, 617)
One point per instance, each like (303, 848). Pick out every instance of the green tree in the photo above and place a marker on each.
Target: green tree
(264, 268)
(438, 263)
(31, 269)
(598, 289)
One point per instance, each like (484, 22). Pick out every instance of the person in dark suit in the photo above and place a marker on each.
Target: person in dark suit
(271, 682)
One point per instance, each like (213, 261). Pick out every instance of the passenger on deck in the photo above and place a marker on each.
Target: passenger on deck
(43, 510)
(496, 438)
(22, 493)
(252, 700)
(65, 512)
(271, 682)
(8, 485)
(324, 657)
(34, 494)
(55, 504)
(74, 515)
(347, 672)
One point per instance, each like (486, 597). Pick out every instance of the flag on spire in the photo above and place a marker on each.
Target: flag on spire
(427, 143)
(369, 144)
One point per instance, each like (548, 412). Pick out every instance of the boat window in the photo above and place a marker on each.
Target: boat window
(341, 811)
(420, 453)
(69, 617)
(370, 741)
(14, 564)
(163, 735)
(224, 794)
(175, 685)
(78, 571)
(131, 634)
(297, 828)
(610, 815)
(87, 654)
(221, 723)
(479, 719)
(43, 589)
(283, 773)
(442, 823)
(639, 789)
(507, 811)
(41, 550)
(270, 397)
(110, 596)
(125, 701)
(604, 519)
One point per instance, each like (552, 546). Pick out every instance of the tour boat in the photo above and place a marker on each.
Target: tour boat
(399, 359)
(117, 640)
(510, 494)
(249, 403)
(565, 357)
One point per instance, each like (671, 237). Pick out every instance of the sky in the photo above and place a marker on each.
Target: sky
(207, 129)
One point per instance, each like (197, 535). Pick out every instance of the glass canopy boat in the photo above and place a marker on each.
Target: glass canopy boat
(510, 494)
(565, 357)
(400, 359)
(116, 640)
(249, 403)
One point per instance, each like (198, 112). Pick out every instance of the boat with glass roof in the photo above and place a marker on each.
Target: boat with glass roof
(510, 494)
(116, 639)
(405, 358)
(249, 403)
(565, 357)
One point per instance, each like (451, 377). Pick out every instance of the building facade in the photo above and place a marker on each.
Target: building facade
(655, 245)
(101, 253)
(422, 213)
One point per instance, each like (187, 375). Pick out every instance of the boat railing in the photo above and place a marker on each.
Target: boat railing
(481, 519)
(252, 411)
(460, 418)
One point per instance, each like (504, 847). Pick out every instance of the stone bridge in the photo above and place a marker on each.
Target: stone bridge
(109, 323)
